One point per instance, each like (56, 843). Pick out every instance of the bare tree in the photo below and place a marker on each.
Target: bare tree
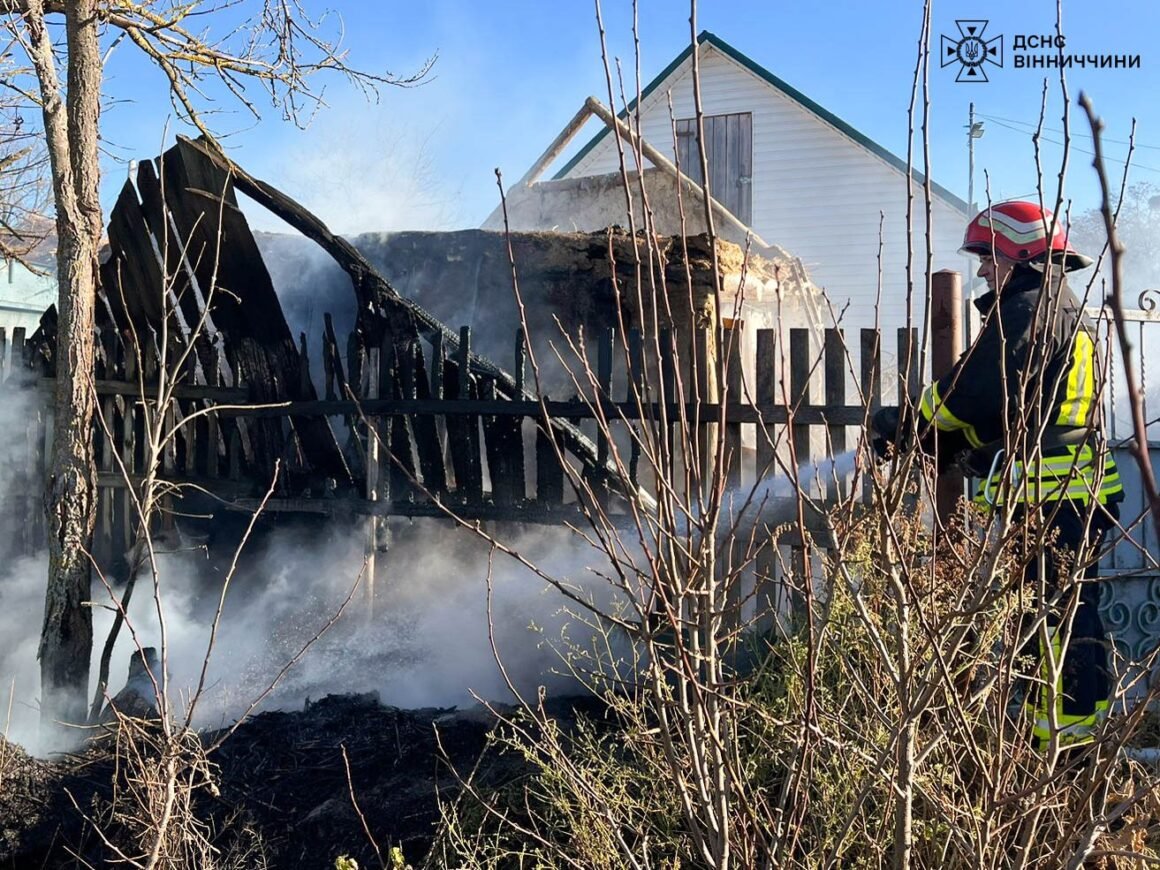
(280, 48)
(25, 196)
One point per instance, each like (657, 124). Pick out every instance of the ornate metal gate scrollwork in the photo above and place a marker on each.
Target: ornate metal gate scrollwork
(1130, 594)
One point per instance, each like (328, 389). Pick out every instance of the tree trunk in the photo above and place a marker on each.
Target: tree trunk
(67, 634)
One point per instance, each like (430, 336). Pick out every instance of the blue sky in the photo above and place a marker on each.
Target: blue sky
(510, 74)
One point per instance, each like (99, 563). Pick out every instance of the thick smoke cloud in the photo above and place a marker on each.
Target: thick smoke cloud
(21, 574)
(427, 643)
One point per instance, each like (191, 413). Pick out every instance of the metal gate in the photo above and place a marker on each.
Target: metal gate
(1130, 600)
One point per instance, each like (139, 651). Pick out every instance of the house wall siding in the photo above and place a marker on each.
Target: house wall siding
(816, 192)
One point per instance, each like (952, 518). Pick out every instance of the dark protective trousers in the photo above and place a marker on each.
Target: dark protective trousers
(1081, 692)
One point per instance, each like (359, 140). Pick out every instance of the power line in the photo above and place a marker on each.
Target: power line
(1000, 121)
(1072, 146)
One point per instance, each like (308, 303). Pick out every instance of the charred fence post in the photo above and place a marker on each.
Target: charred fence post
(373, 477)
(428, 444)
(768, 593)
(605, 414)
(471, 482)
(708, 392)
(743, 576)
(636, 384)
(871, 382)
(799, 384)
(835, 386)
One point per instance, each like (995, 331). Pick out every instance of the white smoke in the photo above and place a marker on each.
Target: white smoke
(22, 576)
(367, 171)
(426, 645)
(22, 591)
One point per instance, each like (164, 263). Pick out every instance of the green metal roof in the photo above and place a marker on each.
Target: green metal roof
(793, 93)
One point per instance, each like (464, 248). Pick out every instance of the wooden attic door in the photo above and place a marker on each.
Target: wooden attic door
(729, 149)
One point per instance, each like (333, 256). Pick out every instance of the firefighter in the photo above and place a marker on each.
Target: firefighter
(1020, 412)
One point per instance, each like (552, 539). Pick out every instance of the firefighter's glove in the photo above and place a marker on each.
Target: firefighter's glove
(977, 462)
(884, 427)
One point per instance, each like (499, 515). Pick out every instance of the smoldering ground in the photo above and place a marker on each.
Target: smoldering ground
(430, 641)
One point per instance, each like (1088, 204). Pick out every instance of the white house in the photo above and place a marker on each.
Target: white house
(795, 173)
(28, 285)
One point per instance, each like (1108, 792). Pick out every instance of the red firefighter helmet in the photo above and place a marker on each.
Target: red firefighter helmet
(1018, 231)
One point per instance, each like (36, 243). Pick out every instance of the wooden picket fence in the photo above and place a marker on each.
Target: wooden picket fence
(424, 431)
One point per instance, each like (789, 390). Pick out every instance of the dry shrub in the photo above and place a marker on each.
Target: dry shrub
(160, 810)
(903, 643)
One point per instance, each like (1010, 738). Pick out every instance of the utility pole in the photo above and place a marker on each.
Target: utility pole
(974, 131)
(971, 157)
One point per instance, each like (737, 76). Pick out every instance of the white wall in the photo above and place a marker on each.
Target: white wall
(816, 192)
(24, 296)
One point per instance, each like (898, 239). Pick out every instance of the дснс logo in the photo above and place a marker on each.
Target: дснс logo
(972, 51)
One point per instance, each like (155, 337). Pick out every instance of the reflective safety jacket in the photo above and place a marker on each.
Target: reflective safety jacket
(1036, 361)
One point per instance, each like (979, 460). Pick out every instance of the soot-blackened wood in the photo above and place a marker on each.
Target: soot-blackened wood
(428, 443)
(178, 285)
(439, 369)
(304, 364)
(604, 391)
(871, 383)
(549, 474)
(596, 475)
(733, 385)
(18, 350)
(737, 572)
(493, 447)
(380, 308)
(835, 386)
(507, 475)
(355, 357)
(521, 360)
(356, 389)
(706, 389)
(214, 448)
(251, 309)
(332, 360)
(251, 366)
(669, 383)
(463, 431)
(766, 378)
(512, 428)
(134, 428)
(636, 392)
(377, 484)
(173, 281)
(456, 427)
(235, 459)
(400, 373)
(131, 278)
(766, 589)
(799, 386)
(106, 429)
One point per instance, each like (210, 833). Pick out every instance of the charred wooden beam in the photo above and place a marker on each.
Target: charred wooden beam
(381, 309)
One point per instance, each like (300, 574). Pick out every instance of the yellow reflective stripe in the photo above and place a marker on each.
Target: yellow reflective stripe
(1078, 731)
(932, 407)
(1077, 402)
(1071, 476)
(1071, 729)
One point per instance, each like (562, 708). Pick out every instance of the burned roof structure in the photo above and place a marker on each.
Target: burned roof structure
(184, 290)
(403, 416)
